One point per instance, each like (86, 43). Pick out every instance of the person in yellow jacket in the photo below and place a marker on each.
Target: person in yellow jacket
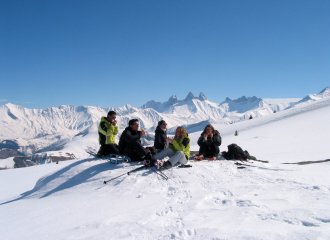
(178, 150)
(107, 130)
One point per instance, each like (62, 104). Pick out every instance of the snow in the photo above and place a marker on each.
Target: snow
(7, 163)
(302, 129)
(281, 100)
(211, 200)
(314, 97)
(280, 103)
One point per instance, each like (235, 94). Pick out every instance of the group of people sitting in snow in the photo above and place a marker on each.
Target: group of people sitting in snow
(177, 149)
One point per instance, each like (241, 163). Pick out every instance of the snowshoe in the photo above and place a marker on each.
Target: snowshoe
(115, 159)
(199, 157)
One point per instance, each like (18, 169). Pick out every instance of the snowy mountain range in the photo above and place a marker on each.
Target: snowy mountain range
(30, 132)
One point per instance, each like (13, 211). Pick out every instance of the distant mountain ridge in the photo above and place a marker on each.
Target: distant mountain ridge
(173, 100)
(38, 130)
(314, 97)
(202, 108)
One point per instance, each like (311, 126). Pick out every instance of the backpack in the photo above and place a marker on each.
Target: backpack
(235, 152)
(153, 150)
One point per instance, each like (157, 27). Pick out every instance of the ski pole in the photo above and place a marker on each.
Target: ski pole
(160, 174)
(128, 173)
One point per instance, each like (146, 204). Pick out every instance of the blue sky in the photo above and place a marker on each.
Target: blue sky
(110, 53)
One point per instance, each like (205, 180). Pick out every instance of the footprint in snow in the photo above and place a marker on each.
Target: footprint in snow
(295, 218)
(183, 234)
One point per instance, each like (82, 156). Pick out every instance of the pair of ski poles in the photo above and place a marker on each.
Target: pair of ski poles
(146, 165)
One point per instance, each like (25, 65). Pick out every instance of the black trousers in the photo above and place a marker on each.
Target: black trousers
(209, 150)
(109, 149)
(135, 151)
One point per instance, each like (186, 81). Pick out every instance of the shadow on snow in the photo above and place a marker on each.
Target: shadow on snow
(75, 180)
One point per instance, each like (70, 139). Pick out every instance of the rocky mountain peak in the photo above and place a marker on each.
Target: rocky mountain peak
(190, 96)
(202, 97)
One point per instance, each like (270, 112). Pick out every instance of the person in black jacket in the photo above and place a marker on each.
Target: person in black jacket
(160, 136)
(130, 143)
(209, 143)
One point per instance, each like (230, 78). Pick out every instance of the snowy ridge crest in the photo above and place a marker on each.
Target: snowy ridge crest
(173, 100)
(325, 93)
(243, 104)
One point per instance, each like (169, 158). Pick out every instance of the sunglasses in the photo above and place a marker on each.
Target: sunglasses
(114, 117)
(164, 124)
(208, 129)
(135, 124)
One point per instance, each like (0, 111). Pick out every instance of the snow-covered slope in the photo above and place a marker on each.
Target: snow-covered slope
(303, 129)
(280, 104)
(36, 129)
(211, 200)
(325, 93)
